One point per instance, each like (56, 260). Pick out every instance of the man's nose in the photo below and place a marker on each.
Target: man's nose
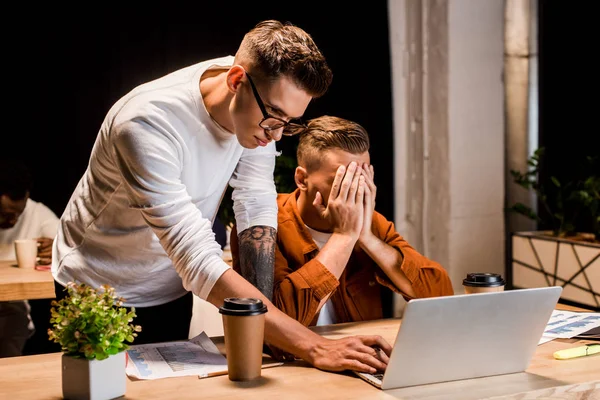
(275, 134)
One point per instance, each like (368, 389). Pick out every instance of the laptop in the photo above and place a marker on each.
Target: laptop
(467, 336)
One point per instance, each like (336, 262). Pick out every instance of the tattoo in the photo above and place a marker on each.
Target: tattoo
(257, 257)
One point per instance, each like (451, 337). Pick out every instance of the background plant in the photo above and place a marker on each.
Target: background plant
(566, 204)
(91, 323)
(590, 197)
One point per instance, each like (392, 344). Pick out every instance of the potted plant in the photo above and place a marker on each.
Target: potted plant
(92, 328)
(565, 254)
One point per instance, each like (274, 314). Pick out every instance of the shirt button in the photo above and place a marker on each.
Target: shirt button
(372, 283)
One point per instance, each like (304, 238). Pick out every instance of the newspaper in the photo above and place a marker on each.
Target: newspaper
(196, 356)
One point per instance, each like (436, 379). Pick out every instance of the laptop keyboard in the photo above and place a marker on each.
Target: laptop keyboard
(375, 379)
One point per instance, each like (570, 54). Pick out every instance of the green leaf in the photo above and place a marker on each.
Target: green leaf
(555, 181)
(522, 209)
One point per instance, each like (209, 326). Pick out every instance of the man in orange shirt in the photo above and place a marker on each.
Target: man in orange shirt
(335, 254)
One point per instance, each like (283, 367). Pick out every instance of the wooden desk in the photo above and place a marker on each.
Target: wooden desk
(24, 284)
(39, 377)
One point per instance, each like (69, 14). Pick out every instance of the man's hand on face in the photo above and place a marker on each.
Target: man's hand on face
(369, 200)
(345, 207)
(44, 250)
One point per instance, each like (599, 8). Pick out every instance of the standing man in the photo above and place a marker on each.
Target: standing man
(140, 218)
(20, 218)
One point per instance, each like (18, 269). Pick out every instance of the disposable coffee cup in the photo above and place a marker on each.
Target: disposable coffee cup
(26, 251)
(244, 328)
(483, 282)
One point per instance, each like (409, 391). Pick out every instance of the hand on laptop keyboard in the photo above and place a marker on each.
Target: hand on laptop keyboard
(380, 354)
(355, 353)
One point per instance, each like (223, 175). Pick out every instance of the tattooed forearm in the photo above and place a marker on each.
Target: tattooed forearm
(257, 257)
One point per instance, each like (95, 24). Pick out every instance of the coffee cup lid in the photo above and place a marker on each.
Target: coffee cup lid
(242, 306)
(483, 279)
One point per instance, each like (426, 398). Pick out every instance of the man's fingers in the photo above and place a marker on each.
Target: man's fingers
(367, 196)
(376, 341)
(356, 365)
(378, 353)
(318, 203)
(45, 253)
(355, 186)
(366, 170)
(337, 182)
(371, 361)
(347, 181)
(360, 193)
(44, 244)
(368, 174)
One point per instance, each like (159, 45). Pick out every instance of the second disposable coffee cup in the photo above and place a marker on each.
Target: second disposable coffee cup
(244, 327)
(483, 282)
(26, 252)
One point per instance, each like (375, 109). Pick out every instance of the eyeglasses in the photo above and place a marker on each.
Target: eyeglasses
(270, 123)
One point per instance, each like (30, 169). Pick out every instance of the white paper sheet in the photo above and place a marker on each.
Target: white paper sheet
(196, 356)
(567, 324)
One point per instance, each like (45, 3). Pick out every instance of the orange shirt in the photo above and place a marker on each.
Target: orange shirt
(301, 281)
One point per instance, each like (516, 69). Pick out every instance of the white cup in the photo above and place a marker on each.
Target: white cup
(26, 250)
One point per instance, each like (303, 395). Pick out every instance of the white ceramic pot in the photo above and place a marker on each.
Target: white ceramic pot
(84, 379)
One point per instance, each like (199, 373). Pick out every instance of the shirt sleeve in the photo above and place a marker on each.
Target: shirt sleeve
(428, 278)
(254, 195)
(298, 293)
(48, 222)
(149, 160)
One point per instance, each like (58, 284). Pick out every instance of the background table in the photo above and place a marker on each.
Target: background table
(23, 283)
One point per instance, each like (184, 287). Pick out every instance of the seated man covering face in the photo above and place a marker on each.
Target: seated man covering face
(335, 254)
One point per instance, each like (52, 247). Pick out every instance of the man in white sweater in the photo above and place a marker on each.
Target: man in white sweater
(20, 218)
(140, 218)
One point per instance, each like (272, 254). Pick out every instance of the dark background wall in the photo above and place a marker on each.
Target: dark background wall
(67, 67)
(569, 84)
(64, 68)
(74, 67)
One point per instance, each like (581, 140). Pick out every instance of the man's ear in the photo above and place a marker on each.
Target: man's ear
(234, 77)
(300, 176)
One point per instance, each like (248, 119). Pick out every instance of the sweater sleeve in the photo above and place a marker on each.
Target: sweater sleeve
(428, 278)
(148, 158)
(254, 195)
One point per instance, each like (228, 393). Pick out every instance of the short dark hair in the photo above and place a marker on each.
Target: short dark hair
(327, 133)
(15, 179)
(272, 49)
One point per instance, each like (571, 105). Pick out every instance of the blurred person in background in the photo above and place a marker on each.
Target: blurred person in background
(20, 218)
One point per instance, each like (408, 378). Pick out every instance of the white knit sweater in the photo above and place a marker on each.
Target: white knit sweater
(140, 218)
